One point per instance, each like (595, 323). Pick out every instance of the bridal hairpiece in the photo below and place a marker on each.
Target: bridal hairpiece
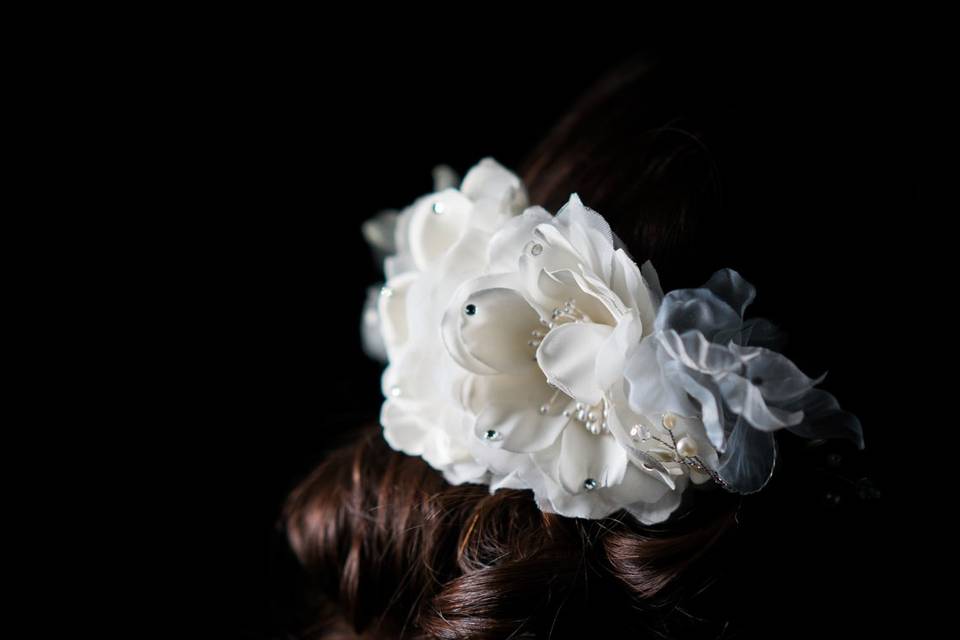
(529, 351)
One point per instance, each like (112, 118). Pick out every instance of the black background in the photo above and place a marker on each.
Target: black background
(286, 143)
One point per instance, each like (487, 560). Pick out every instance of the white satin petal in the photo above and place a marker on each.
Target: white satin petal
(402, 427)
(454, 318)
(590, 234)
(646, 509)
(437, 223)
(514, 239)
(612, 355)
(492, 327)
(568, 356)
(586, 456)
(510, 406)
(488, 179)
(638, 486)
(392, 308)
(519, 429)
(371, 331)
(632, 288)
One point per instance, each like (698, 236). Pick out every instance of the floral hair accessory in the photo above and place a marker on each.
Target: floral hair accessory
(529, 351)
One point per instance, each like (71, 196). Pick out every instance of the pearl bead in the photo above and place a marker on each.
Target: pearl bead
(543, 409)
(590, 484)
(395, 391)
(687, 447)
(470, 309)
(669, 421)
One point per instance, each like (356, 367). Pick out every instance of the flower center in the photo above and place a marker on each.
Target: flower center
(592, 417)
(564, 314)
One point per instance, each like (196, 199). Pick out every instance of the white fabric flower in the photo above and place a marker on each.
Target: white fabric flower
(543, 335)
(530, 351)
(506, 336)
(438, 243)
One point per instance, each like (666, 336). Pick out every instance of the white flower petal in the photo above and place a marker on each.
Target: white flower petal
(371, 330)
(586, 456)
(590, 234)
(514, 240)
(488, 179)
(639, 493)
(568, 357)
(510, 405)
(432, 234)
(402, 428)
(444, 177)
(632, 288)
(392, 308)
(613, 353)
(552, 497)
(487, 329)
(380, 232)
(638, 486)
(520, 429)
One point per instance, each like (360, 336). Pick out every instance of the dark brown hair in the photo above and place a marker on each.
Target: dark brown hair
(396, 551)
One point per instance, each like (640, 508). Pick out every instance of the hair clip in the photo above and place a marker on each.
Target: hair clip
(529, 351)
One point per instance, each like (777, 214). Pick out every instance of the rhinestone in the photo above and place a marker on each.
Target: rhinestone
(438, 208)
(491, 435)
(536, 249)
(543, 409)
(590, 484)
(395, 391)
(386, 292)
(470, 309)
